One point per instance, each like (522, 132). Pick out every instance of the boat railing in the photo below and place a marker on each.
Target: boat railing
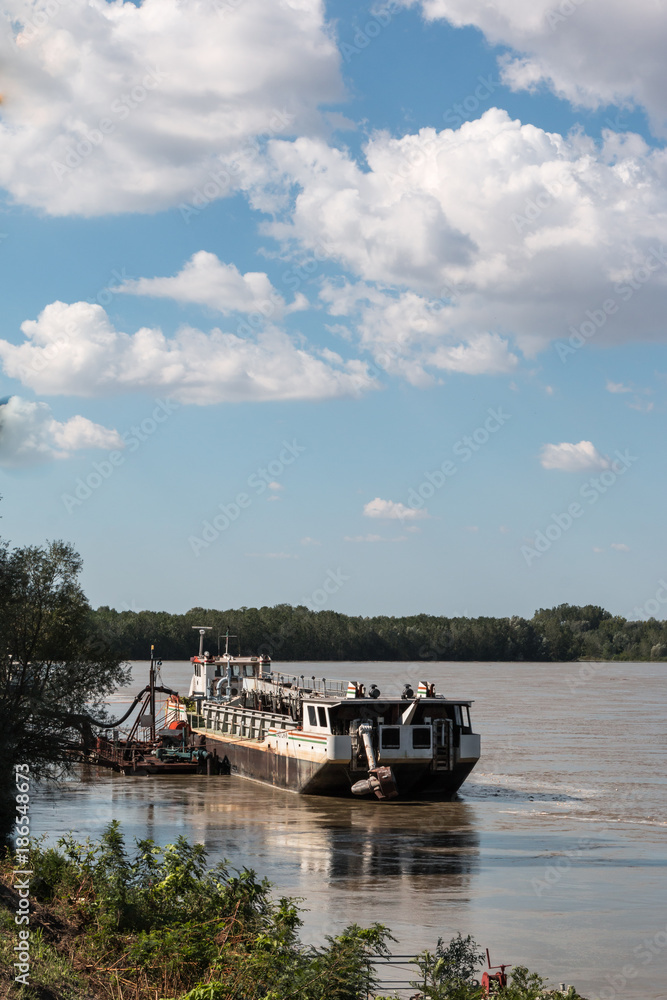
(233, 720)
(312, 685)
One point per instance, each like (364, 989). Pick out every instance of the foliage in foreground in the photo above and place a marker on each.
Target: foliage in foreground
(452, 973)
(109, 924)
(55, 666)
(157, 921)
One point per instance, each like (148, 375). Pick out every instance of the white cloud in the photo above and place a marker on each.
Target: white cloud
(617, 387)
(409, 334)
(552, 42)
(273, 485)
(117, 107)
(390, 510)
(639, 402)
(29, 434)
(620, 546)
(75, 350)
(641, 405)
(484, 354)
(462, 243)
(206, 280)
(582, 457)
(310, 541)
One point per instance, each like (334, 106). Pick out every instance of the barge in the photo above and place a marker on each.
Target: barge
(323, 738)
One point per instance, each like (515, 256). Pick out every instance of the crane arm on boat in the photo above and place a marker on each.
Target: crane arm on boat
(380, 780)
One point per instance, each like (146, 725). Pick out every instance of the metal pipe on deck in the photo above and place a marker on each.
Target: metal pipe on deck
(366, 733)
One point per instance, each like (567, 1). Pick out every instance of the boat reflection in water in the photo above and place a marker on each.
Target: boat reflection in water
(414, 841)
(303, 844)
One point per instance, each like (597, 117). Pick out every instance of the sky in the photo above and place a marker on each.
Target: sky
(359, 307)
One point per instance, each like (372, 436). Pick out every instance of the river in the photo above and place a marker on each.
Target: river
(553, 857)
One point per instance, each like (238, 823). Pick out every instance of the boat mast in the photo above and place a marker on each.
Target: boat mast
(203, 629)
(151, 685)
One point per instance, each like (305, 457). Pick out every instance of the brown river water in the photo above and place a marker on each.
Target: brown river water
(555, 855)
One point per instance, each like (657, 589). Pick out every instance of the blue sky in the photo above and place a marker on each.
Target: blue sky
(359, 307)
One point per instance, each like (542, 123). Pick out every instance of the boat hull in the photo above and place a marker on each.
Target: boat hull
(259, 762)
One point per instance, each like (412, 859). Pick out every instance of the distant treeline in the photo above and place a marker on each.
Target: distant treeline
(284, 632)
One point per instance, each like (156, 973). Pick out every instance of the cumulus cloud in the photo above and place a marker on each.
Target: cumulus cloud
(205, 280)
(29, 434)
(75, 350)
(117, 107)
(620, 546)
(466, 242)
(410, 335)
(390, 510)
(582, 457)
(552, 45)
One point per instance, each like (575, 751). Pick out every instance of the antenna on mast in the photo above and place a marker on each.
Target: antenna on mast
(203, 629)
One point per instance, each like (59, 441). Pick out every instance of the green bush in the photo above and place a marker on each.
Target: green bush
(157, 922)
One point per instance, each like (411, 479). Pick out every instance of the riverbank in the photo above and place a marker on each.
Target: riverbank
(299, 634)
(106, 923)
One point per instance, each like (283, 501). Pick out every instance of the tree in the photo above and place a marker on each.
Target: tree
(55, 669)
(448, 972)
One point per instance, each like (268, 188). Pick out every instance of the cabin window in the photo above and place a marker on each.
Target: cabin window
(312, 718)
(466, 717)
(421, 738)
(391, 738)
(322, 712)
(197, 670)
(457, 715)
